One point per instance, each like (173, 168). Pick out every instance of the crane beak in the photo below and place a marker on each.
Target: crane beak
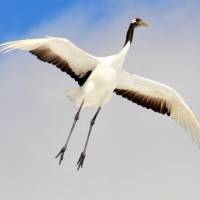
(142, 23)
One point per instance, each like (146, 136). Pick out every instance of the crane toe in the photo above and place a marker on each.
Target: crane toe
(61, 154)
(81, 160)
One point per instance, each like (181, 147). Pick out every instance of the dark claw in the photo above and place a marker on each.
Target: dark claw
(81, 160)
(61, 154)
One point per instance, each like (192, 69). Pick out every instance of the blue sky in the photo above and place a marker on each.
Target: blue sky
(18, 16)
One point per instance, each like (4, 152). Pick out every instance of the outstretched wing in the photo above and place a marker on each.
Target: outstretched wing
(59, 52)
(160, 98)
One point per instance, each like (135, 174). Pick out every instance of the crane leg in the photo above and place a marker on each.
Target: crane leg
(63, 149)
(83, 154)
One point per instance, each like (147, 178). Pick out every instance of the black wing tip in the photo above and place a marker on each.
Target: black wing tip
(45, 54)
(155, 104)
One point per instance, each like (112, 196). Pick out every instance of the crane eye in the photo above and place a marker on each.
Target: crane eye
(138, 20)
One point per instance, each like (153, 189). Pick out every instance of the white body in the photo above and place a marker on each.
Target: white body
(99, 87)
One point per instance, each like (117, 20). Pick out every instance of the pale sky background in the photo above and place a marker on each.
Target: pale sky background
(133, 153)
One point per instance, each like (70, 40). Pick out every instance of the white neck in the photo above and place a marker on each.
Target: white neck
(120, 57)
(124, 51)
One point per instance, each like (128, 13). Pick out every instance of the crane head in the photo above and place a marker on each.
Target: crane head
(138, 22)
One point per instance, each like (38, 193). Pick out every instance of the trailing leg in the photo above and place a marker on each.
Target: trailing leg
(63, 149)
(83, 154)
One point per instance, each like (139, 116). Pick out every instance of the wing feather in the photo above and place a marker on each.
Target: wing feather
(59, 52)
(160, 98)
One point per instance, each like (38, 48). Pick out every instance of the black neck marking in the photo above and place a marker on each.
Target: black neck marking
(129, 35)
